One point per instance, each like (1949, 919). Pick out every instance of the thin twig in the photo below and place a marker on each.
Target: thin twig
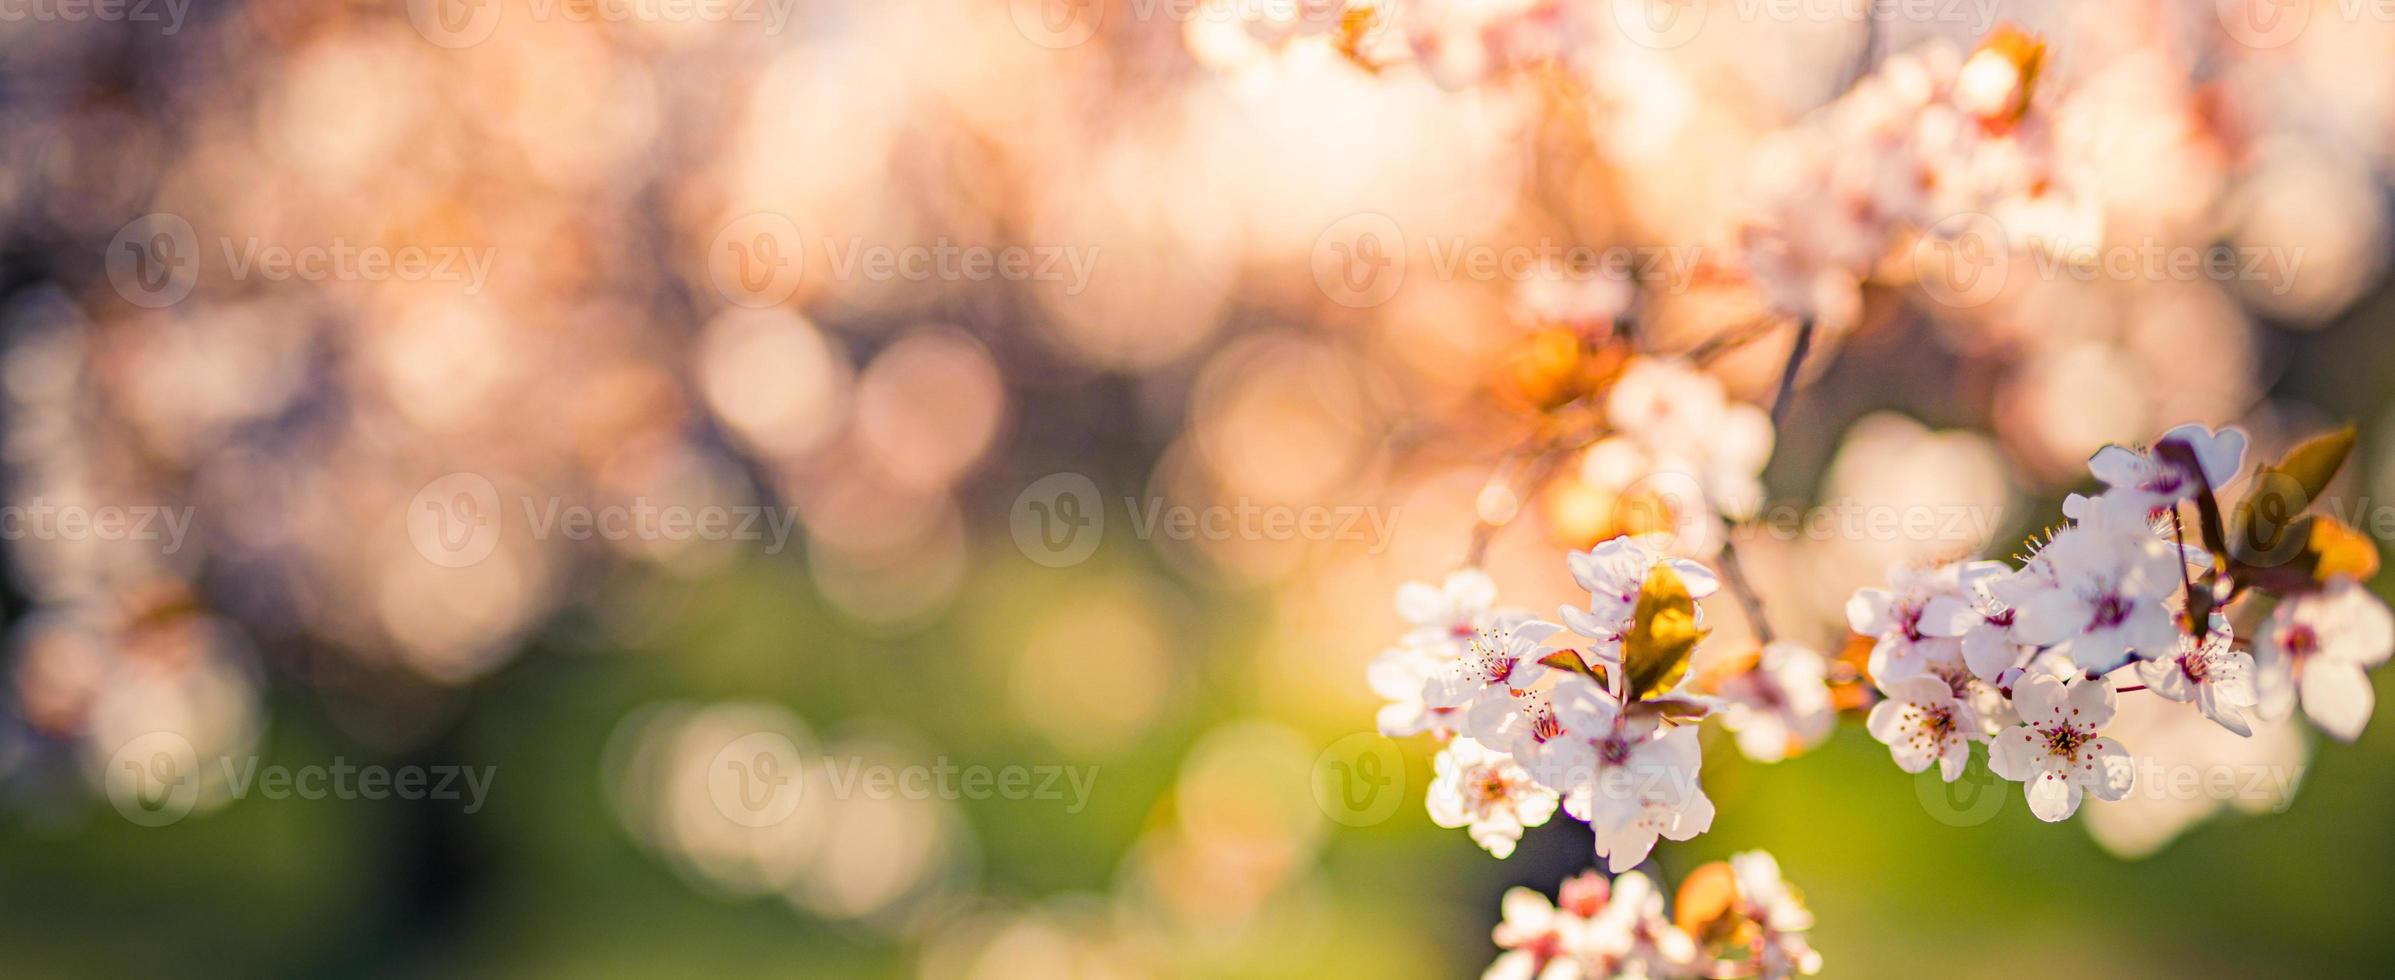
(1796, 362)
(1734, 572)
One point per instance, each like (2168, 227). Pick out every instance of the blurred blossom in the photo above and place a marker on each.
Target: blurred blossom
(776, 380)
(2188, 770)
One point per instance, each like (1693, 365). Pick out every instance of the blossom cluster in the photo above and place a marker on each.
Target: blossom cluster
(1929, 135)
(2032, 660)
(1734, 918)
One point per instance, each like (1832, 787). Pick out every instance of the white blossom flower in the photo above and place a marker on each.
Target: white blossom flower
(2109, 597)
(1917, 622)
(1488, 792)
(1991, 643)
(1445, 616)
(1922, 722)
(1613, 573)
(1630, 786)
(2218, 679)
(2058, 755)
(1533, 935)
(1781, 705)
(2143, 484)
(1399, 675)
(1778, 914)
(1627, 934)
(1687, 424)
(1499, 659)
(2320, 644)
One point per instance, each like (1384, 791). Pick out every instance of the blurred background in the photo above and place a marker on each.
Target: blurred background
(624, 400)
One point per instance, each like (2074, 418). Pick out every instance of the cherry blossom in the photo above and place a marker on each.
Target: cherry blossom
(1917, 623)
(1534, 934)
(1780, 705)
(1779, 915)
(2208, 672)
(2320, 644)
(2143, 484)
(1488, 792)
(1628, 934)
(1631, 786)
(2107, 599)
(1613, 573)
(1447, 614)
(1399, 675)
(1498, 660)
(2058, 755)
(1922, 722)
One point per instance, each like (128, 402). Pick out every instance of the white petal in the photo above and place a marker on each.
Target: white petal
(2337, 697)
(2040, 699)
(2050, 617)
(1421, 604)
(2090, 703)
(2052, 797)
(1867, 611)
(2119, 467)
(2014, 753)
(2106, 769)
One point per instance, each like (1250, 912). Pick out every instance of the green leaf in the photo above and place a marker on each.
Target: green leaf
(1663, 633)
(2259, 536)
(1571, 662)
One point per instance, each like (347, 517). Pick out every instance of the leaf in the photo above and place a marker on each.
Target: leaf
(1570, 661)
(1663, 633)
(2281, 493)
(2317, 460)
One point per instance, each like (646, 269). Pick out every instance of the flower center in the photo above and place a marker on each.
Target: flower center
(2111, 611)
(2195, 666)
(2065, 740)
(2302, 641)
